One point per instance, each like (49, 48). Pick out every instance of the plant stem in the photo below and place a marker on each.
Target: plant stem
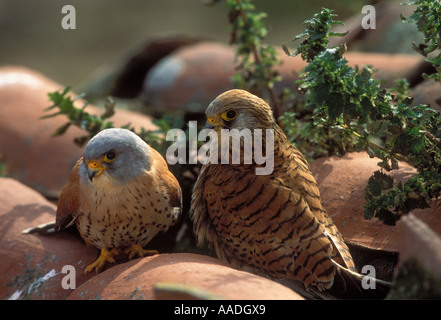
(377, 146)
(258, 61)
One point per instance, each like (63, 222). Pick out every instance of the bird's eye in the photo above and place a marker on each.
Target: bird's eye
(110, 156)
(229, 115)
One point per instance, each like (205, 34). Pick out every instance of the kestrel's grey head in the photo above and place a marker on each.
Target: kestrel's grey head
(116, 153)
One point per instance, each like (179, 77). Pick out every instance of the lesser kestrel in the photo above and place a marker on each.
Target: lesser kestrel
(274, 224)
(120, 194)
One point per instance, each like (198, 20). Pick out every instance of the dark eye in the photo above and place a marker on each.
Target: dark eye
(229, 115)
(110, 156)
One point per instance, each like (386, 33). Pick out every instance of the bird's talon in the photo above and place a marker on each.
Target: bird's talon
(137, 250)
(151, 252)
(105, 256)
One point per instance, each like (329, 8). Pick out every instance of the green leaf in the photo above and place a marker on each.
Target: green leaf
(369, 212)
(286, 50)
(379, 182)
(335, 104)
(61, 130)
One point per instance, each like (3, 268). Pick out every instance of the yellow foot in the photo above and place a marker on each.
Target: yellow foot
(105, 256)
(137, 250)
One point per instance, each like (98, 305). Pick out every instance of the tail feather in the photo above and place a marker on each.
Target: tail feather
(347, 285)
(45, 228)
(352, 285)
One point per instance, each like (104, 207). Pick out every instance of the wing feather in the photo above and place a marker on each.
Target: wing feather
(68, 203)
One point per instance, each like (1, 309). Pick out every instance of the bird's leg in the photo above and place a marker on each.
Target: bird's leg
(105, 256)
(137, 250)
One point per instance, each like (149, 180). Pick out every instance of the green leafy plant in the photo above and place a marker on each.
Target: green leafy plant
(256, 60)
(317, 32)
(78, 116)
(64, 103)
(351, 102)
(427, 18)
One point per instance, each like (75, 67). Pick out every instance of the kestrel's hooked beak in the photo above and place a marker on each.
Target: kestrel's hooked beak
(211, 123)
(94, 169)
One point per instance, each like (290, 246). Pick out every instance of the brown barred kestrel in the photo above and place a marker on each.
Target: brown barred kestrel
(275, 224)
(120, 194)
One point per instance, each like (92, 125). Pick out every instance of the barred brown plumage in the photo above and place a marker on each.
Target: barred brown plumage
(273, 225)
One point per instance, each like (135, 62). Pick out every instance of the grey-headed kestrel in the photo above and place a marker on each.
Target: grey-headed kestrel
(120, 194)
(273, 225)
